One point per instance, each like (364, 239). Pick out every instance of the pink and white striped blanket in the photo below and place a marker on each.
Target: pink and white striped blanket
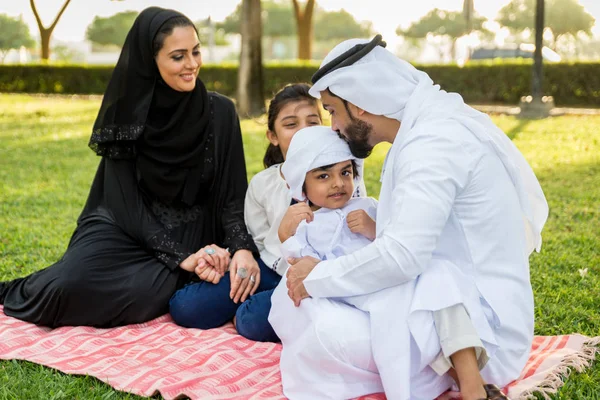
(161, 357)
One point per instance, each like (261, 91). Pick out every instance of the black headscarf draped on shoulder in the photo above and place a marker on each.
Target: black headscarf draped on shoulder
(165, 131)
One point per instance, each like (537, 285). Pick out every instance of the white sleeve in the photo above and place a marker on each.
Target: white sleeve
(256, 216)
(427, 178)
(372, 210)
(297, 245)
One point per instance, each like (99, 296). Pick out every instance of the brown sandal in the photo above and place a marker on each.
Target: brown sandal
(493, 392)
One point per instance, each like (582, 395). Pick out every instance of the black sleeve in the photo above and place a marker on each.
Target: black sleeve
(124, 201)
(236, 184)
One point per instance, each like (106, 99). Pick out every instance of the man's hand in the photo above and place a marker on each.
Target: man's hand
(296, 273)
(359, 222)
(292, 218)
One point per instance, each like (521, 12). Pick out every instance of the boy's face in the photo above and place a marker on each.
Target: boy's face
(330, 186)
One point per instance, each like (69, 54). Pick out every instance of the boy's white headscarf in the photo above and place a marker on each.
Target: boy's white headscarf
(383, 84)
(310, 148)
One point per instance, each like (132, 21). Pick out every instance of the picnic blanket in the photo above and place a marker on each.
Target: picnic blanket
(161, 357)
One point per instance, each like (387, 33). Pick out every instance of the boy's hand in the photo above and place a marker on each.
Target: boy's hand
(292, 218)
(359, 222)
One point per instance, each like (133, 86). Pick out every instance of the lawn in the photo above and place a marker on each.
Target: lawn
(46, 169)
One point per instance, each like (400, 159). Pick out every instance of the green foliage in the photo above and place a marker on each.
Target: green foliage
(111, 30)
(277, 19)
(562, 17)
(339, 25)
(15, 33)
(478, 82)
(231, 24)
(66, 54)
(442, 23)
(204, 27)
(46, 169)
(518, 15)
(568, 17)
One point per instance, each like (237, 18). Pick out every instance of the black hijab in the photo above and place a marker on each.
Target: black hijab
(165, 131)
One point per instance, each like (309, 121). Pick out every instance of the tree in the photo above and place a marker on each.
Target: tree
(250, 96)
(15, 34)
(451, 24)
(46, 32)
(568, 17)
(563, 17)
(339, 25)
(111, 30)
(209, 33)
(304, 24)
(276, 18)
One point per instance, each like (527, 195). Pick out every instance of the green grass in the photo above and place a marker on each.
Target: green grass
(46, 169)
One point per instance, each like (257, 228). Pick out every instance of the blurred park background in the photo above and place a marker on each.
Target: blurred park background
(56, 57)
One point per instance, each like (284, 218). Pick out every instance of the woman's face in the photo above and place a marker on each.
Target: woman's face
(293, 116)
(179, 59)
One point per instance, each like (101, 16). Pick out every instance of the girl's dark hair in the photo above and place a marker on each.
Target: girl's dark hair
(167, 28)
(355, 175)
(290, 93)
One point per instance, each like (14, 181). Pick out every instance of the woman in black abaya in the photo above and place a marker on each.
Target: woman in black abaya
(167, 198)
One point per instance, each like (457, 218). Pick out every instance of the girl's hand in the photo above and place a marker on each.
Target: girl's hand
(207, 272)
(245, 275)
(292, 218)
(359, 222)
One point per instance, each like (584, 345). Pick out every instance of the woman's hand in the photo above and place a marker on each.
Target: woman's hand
(292, 218)
(360, 222)
(209, 263)
(215, 256)
(245, 275)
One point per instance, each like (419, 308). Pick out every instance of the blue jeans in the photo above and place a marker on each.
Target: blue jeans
(251, 318)
(205, 305)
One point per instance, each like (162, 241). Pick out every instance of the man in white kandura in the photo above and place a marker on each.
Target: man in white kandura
(460, 210)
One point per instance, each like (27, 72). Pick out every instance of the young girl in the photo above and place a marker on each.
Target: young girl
(269, 204)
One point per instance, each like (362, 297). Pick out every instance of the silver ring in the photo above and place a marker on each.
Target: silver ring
(252, 279)
(210, 251)
(242, 272)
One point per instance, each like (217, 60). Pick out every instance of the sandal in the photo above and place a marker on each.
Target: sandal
(493, 392)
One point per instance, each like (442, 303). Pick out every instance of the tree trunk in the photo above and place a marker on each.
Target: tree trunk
(536, 87)
(46, 33)
(250, 96)
(305, 28)
(45, 45)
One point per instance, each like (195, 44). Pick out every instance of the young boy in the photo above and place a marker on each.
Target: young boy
(322, 175)
(321, 171)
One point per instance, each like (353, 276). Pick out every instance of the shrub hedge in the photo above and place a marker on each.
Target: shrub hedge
(571, 84)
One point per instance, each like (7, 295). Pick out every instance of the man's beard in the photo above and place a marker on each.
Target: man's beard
(357, 137)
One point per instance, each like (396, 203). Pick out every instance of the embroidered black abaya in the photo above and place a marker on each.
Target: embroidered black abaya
(171, 180)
